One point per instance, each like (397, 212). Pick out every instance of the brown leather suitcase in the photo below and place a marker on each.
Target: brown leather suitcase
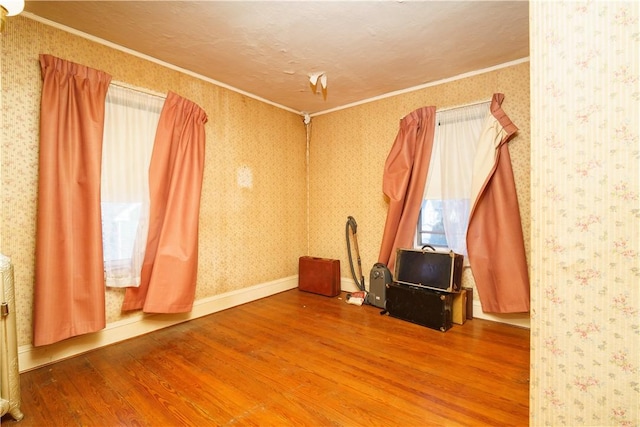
(469, 302)
(319, 275)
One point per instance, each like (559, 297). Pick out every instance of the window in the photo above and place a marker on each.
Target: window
(444, 215)
(131, 120)
(120, 223)
(431, 225)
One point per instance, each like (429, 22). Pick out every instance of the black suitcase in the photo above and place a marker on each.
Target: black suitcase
(425, 307)
(429, 269)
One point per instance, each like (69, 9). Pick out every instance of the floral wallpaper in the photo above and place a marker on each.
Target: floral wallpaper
(252, 231)
(585, 214)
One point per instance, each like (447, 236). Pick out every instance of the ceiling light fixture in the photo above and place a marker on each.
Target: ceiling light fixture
(9, 8)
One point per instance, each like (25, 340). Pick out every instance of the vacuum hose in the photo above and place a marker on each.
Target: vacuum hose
(351, 224)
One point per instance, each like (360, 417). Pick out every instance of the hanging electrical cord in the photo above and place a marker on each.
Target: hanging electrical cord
(306, 119)
(353, 226)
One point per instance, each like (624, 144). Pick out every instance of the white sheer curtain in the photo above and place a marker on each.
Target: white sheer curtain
(131, 120)
(450, 172)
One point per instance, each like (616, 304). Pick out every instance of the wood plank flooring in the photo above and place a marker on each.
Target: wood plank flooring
(291, 359)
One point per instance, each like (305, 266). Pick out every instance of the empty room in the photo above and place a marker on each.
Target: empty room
(230, 213)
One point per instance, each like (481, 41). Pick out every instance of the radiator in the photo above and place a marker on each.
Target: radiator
(9, 372)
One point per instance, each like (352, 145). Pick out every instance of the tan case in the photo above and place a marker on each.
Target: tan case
(460, 307)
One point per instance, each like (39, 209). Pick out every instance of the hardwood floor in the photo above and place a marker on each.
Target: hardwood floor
(291, 359)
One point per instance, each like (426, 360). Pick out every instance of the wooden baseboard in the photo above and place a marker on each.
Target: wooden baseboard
(30, 357)
(517, 319)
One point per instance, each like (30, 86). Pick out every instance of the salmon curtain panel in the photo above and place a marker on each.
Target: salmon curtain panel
(495, 243)
(69, 297)
(405, 176)
(168, 278)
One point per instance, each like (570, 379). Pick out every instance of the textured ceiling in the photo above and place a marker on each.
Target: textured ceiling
(268, 49)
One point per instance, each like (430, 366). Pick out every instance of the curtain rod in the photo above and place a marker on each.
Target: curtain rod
(463, 106)
(138, 89)
(458, 106)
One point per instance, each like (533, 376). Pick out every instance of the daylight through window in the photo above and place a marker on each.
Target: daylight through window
(131, 120)
(444, 215)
